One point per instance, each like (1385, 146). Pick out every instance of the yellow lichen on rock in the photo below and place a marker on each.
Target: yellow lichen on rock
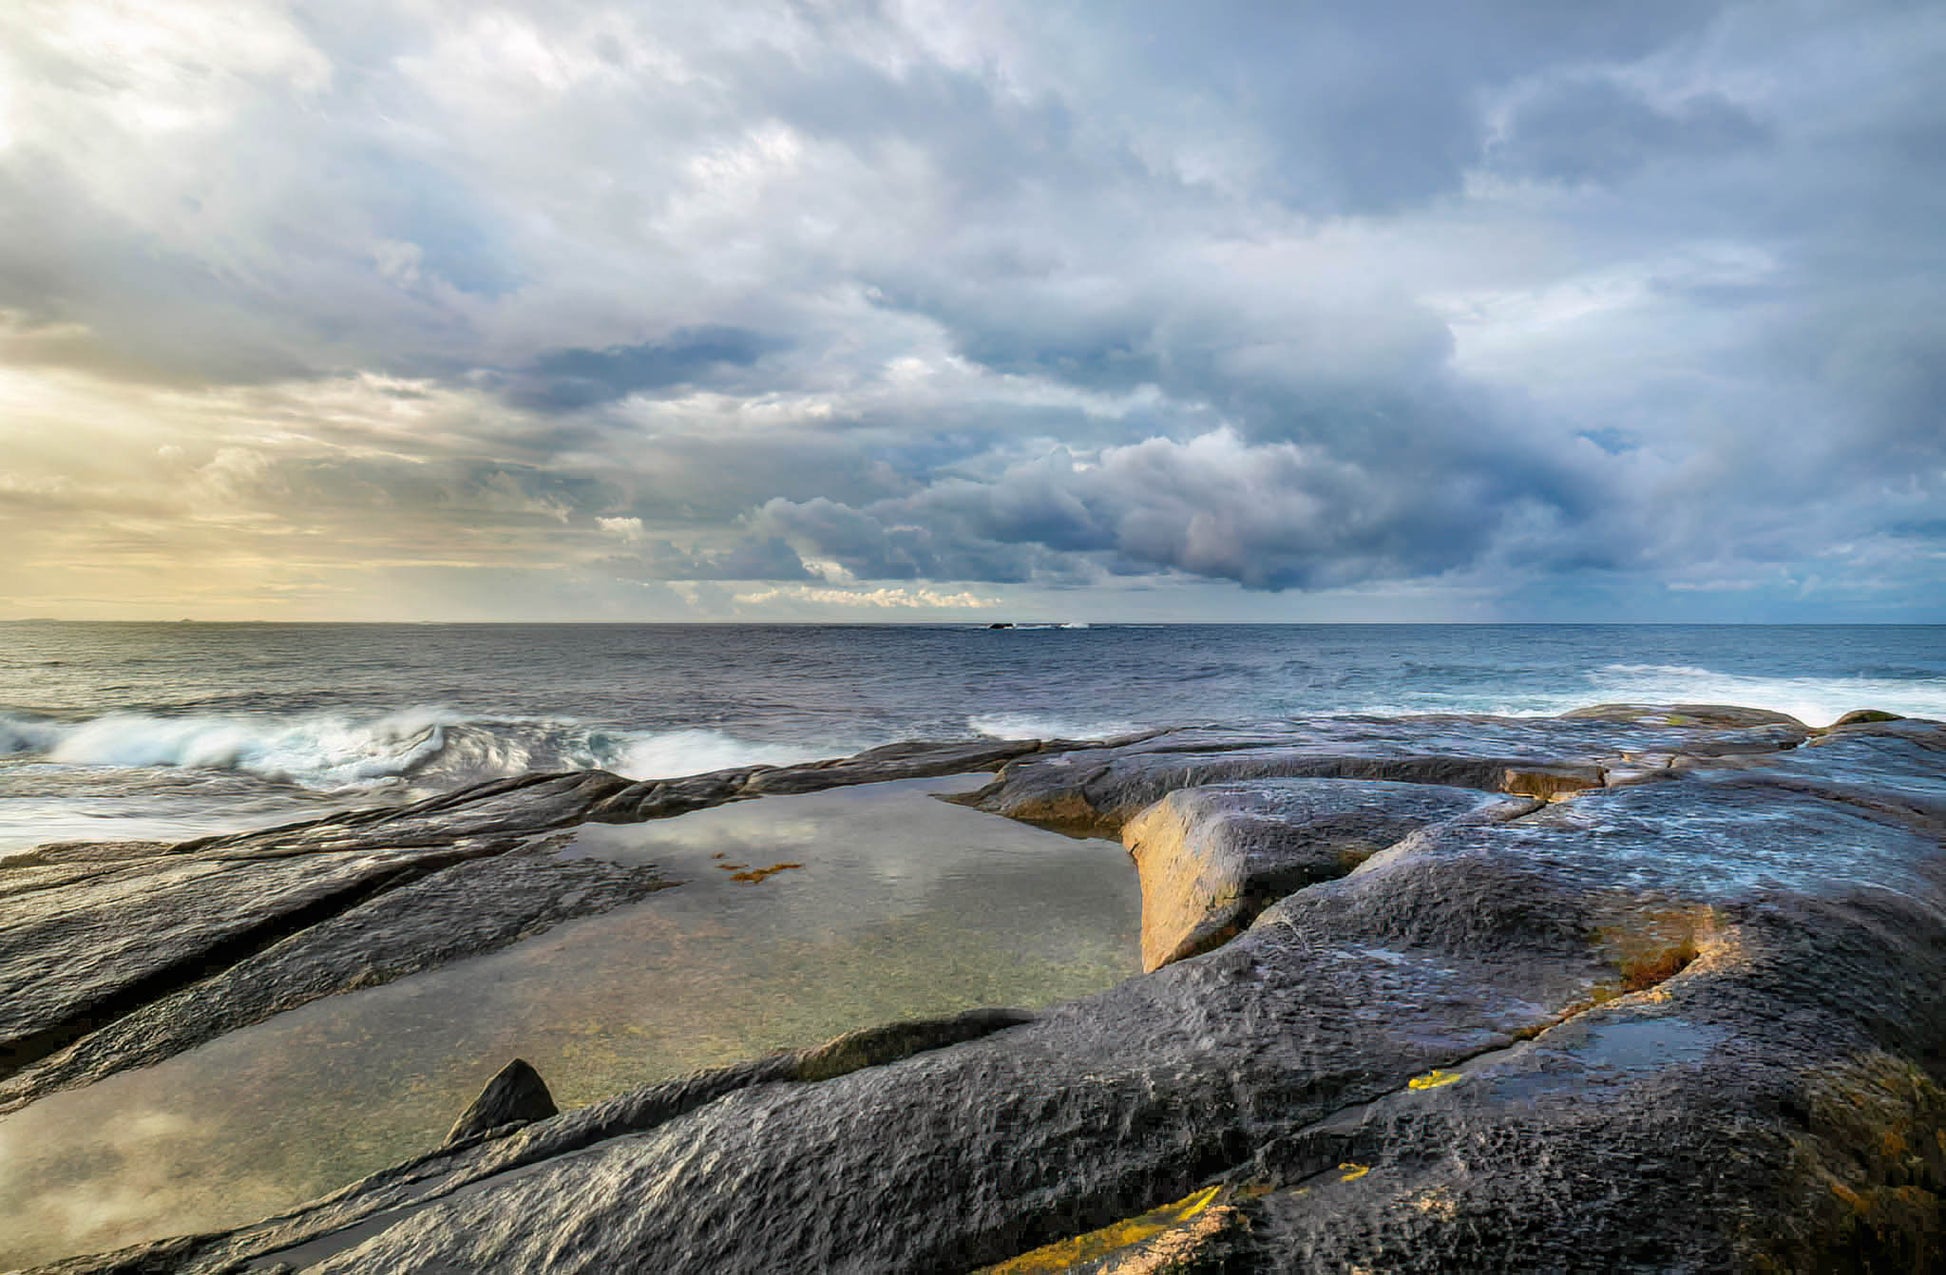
(1175, 1249)
(1433, 1079)
(1437, 1202)
(1125, 1234)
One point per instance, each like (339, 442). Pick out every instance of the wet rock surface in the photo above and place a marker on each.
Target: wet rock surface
(1213, 857)
(427, 916)
(1094, 791)
(1691, 1019)
(117, 955)
(515, 1095)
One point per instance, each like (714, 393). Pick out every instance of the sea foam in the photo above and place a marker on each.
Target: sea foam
(1816, 701)
(1043, 726)
(430, 747)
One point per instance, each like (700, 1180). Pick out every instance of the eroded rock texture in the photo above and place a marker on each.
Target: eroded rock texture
(1214, 856)
(1691, 1019)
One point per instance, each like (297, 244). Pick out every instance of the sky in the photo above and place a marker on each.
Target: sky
(901, 311)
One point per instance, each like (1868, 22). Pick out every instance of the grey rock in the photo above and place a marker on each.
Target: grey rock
(515, 1095)
(1861, 716)
(1693, 1023)
(499, 809)
(1708, 716)
(910, 760)
(1093, 791)
(447, 914)
(1212, 857)
(913, 759)
(76, 956)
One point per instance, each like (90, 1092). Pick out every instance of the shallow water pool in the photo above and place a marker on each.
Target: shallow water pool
(903, 906)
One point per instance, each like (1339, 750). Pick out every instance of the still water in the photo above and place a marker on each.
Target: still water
(903, 906)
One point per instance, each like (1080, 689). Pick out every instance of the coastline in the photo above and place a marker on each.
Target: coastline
(1372, 939)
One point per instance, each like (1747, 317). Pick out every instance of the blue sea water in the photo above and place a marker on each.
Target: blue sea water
(112, 731)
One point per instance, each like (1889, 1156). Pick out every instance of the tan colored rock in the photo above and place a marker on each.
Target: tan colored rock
(1212, 857)
(1551, 783)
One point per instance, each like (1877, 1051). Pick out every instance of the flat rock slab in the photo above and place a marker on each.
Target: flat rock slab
(77, 955)
(915, 759)
(358, 938)
(1211, 858)
(1687, 1024)
(1094, 791)
(117, 955)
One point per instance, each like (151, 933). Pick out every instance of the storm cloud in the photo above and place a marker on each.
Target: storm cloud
(611, 309)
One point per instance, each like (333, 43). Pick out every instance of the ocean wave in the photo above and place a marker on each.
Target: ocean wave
(691, 752)
(1040, 726)
(421, 747)
(1816, 701)
(1659, 670)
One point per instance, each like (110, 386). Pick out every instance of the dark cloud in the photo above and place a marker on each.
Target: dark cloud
(747, 558)
(1265, 515)
(1595, 129)
(562, 380)
(1536, 301)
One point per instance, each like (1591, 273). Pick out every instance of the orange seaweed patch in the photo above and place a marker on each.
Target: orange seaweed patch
(755, 875)
(1649, 946)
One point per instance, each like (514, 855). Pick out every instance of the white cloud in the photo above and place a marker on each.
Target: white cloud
(1043, 296)
(629, 529)
(891, 598)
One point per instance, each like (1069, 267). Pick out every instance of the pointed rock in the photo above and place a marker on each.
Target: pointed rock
(516, 1095)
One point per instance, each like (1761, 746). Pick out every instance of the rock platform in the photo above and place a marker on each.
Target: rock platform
(1640, 988)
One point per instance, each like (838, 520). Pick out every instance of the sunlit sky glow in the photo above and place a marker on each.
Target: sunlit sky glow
(585, 310)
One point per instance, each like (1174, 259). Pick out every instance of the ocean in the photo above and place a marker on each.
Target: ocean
(164, 731)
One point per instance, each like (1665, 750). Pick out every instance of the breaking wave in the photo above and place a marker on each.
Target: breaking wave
(1816, 701)
(1037, 726)
(423, 747)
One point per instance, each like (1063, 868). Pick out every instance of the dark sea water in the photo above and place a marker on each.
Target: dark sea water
(163, 730)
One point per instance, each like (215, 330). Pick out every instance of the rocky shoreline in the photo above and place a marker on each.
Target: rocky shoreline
(1633, 988)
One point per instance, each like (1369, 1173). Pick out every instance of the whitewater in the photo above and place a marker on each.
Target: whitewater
(132, 731)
